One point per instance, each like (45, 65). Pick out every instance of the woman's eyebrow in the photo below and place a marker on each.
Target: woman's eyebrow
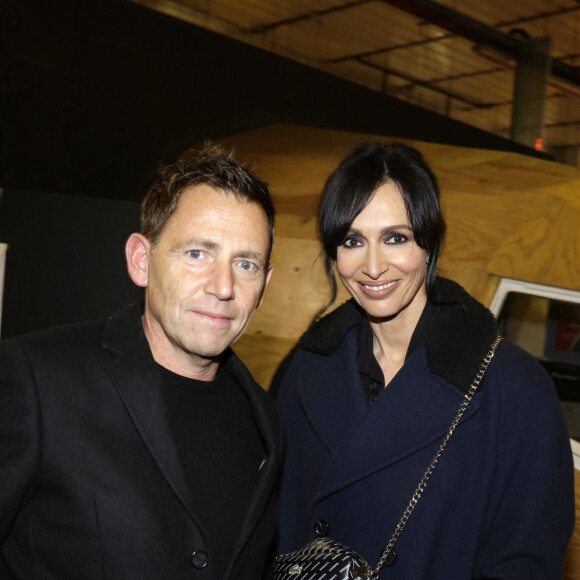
(384, 230)
(396, 227)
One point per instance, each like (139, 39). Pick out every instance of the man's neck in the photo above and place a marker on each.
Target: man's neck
(178, 361)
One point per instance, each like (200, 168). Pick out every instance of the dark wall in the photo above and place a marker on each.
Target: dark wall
(97, 92)
(65, 259)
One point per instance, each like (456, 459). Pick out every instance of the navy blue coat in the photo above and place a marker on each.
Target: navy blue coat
(500, 503)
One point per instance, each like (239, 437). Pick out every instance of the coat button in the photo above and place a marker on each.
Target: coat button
(198, 559)
(321, 528)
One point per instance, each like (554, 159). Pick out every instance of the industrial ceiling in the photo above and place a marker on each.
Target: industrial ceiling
(509, 68)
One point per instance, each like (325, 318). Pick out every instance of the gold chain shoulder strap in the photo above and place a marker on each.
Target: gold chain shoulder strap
(388, 554)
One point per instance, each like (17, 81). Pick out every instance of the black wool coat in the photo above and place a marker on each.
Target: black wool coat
(91, 486)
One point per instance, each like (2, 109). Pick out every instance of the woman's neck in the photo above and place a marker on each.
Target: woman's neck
(392, 336)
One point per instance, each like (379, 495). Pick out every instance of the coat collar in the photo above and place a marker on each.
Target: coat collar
(457, 335)
(350, 429)
(137, 379)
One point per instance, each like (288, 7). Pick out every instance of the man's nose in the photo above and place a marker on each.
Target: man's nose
(221, 282)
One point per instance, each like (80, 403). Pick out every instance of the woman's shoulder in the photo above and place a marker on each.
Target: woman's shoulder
(326, 339)
(517, 363)
(520, 378)
(325, 335)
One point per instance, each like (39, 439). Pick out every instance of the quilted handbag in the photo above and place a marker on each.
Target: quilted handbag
(322, 558)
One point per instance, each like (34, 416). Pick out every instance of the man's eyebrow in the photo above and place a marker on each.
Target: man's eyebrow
(253, 256)
(201, 243)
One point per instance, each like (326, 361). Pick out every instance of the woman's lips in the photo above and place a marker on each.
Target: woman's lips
(378, 289)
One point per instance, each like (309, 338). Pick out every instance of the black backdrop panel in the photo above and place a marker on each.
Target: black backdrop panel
(95, 94)
(65, 260)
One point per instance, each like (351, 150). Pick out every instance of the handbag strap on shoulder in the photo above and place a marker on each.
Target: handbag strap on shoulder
(388, 556)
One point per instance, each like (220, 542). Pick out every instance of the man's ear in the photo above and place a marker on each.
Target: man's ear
(267, 279)
(268, 273)
(137, 252)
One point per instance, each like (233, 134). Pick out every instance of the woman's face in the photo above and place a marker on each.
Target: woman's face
(379, 261)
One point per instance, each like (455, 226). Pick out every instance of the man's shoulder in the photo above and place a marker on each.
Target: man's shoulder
(54, 352)
(76, 336)
(72, 333)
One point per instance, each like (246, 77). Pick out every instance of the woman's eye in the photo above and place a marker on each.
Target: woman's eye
(397, 239)
(351, 242)
(195, 254)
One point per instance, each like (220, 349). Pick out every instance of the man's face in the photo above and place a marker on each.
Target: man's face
(205, 277)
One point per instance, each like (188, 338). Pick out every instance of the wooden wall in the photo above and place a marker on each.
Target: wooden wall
(508, 215)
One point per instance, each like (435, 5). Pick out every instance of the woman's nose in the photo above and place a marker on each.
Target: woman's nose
(376, 263)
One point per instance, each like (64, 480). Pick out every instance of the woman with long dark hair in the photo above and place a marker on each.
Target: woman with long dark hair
(372, 388)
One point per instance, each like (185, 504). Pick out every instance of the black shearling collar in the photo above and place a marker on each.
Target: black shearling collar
(456, 338)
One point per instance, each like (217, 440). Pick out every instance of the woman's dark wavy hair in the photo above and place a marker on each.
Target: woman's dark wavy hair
(351, 185)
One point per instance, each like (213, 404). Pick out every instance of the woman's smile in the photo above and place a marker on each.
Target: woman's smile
(378, 289)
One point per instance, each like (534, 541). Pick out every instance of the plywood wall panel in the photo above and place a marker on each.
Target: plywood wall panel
(544, 246)
(507, 215)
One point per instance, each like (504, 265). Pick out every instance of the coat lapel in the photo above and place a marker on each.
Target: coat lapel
(137, 380)
(269, 426)
(364, 439)
(331, 395)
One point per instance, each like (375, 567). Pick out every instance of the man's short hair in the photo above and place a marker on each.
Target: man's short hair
(213, 166)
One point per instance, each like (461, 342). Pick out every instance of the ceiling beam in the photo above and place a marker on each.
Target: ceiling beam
(307, 16)
(456, 23)
(478, 33)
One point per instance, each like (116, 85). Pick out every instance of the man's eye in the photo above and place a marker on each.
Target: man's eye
(195, 254)
(245, 265)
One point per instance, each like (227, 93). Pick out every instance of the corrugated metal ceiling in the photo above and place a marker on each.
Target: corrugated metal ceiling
(456, 57)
